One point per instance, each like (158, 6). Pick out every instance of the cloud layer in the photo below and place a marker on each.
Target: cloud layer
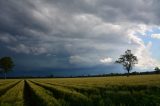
(81, 33)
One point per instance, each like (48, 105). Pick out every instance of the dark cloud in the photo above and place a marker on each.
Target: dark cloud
(60, 33)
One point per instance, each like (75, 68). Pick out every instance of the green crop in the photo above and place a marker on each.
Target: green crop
(139, 90)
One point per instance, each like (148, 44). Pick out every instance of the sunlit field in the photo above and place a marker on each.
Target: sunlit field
(94, 91)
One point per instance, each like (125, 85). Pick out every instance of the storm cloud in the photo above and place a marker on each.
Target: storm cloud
(68, 34)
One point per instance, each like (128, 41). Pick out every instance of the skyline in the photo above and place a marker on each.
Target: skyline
(79, 37)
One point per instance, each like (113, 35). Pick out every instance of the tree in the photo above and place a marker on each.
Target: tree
(157, 70)
(6, 65)
(128, 60)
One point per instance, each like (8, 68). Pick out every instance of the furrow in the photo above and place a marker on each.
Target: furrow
(38, 96)
(73, 97)
(14, 96)
(4, 89)
(82, 89)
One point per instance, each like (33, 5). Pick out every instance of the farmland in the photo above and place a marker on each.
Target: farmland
(93, 91)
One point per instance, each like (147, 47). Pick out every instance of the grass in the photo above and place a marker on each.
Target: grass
(151, 80)
(97, 91)
(14, 96)
(5, 87)
(74, 98)
(40, 96)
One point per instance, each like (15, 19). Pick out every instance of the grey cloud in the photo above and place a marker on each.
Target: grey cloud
(6, 38)
(84, 28)
(140, 11)
(21, 48)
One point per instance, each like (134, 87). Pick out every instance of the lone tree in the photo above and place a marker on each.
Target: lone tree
(128, 60)
(6, 65)
(157, 70)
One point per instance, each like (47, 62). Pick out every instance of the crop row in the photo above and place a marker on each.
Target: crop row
(7, 86)
(38, 96)
(14, 96)
(113, 94)
(150, 80)
(54, 92)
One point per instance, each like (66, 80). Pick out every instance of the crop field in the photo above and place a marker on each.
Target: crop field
(137, 90)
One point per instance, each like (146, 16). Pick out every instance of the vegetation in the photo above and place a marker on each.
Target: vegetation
(128, 60)
(14, 96)
(39, 96)
(157, 70)
(6, 65)
(97, 91)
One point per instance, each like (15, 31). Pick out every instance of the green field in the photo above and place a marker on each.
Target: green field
(97, 91)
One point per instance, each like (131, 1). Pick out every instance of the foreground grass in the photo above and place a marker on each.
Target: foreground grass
(14, 96)
(121, 90)
(97, 91)
(40, 97)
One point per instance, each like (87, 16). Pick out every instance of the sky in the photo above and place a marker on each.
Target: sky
(78, 37)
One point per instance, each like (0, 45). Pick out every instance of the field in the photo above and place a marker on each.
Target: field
(97, 91)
